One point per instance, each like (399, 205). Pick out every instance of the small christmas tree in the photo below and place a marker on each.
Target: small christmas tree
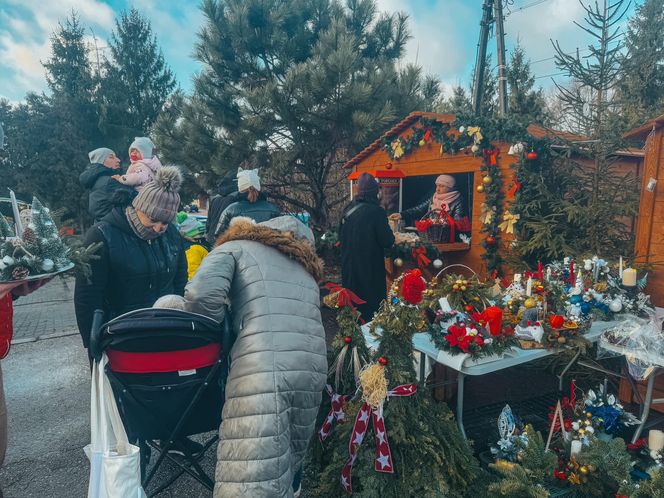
(428, 457)
(5, 228)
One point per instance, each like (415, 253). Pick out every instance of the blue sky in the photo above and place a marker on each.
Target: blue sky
(444, 35)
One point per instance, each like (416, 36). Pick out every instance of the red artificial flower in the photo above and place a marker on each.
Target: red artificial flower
(413, 286)
(637, 445)
(464, 343)
(454, 334)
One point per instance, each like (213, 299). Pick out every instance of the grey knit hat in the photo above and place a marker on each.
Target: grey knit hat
(159, 199)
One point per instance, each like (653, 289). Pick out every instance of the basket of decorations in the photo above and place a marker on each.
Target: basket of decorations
(437, 226)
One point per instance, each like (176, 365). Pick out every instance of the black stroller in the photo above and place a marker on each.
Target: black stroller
(168, 370)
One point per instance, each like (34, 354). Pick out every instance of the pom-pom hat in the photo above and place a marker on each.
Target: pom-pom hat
(159, 199)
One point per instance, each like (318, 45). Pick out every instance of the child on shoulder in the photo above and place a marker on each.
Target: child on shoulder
(144, 164)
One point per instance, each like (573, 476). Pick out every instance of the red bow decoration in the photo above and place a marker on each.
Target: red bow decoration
(427, 135)
(336, 412)
(420, 256)
(491, 156)
(516, 186)
(346, 297)
(383, 454)
(445, 214)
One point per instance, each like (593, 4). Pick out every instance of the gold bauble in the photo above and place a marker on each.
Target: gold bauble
(587, 422)
(398, 262)
(422, 143)
(480, 188)
(589, 415)
(463, 288)
(465, 282)
(510, 303)
(455, 287)
(584, 469)
(530, 303)
(582, 432)
(487, 180)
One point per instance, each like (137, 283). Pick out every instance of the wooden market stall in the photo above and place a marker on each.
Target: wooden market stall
(413, 174)
(649, 246)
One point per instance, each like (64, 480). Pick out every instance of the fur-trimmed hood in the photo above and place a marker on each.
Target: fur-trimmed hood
(285, 241)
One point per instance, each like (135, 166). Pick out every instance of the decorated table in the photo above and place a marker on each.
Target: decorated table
(465, 365)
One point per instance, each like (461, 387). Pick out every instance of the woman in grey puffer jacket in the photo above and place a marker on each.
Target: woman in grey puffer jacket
(268, 274)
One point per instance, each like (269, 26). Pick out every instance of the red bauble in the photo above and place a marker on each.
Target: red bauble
(348, 339)
(388, 166)
(469, 308)
(491, 240)
(556, 321)
(382, 360)
(532, 155)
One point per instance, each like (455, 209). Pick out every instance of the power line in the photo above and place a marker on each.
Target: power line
(520, 9)
(570, 53)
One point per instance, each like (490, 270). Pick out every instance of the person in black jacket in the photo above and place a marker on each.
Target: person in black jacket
(227, 195)
(103, 189)
(141, 259)
(251, 202)
(364, 234)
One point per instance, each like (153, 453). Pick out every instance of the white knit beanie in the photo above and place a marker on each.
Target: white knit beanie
(144, 145)
(98, 156)
(248, 178)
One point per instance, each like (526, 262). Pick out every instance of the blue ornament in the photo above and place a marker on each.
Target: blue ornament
(395, 300)
(575, 299)
(585, 308)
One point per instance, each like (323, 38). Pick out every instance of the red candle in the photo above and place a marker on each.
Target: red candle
(539, 271)
(494, 319)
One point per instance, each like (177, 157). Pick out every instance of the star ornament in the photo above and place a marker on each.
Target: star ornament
(384, 461)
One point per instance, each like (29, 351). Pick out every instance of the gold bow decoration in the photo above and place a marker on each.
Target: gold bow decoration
(397, 149)
(509, 220)
(476, 133)
(487, 213)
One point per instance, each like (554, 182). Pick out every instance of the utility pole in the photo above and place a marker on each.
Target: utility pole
(478, 81)
(502, 68)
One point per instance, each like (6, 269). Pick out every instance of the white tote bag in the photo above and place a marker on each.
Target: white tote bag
(115, 470)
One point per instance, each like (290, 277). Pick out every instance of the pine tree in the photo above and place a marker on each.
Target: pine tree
(490, 88)
(430, 456)
(602, 197)
(642, 73)
(458, 103)
(524, 102)
(296, 88)
(136, 81)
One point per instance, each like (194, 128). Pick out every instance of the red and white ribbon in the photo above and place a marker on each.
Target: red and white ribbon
(336, 412)
(383, 461)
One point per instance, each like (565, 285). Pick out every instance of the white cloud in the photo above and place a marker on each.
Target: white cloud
(25, 43)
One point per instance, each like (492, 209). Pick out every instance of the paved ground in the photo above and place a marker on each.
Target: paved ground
(47, 388)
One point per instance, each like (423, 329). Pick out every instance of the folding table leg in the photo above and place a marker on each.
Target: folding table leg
(459, 410)
(561, 377)
(646, 408)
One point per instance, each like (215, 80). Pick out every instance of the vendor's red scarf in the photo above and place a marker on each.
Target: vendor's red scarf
(6, 328)
(447, 198)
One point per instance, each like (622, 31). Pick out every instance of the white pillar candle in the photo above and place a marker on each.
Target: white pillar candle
(656, 440)
(517, 278)
(529, 287)
(548, 274)
(620, 268)
(629, 277)
(575, 448)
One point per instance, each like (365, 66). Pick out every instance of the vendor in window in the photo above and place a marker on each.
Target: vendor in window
(445, 195)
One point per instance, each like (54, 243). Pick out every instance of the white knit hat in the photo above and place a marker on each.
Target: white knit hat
(98, 156)
(248, 178)
(144, 145)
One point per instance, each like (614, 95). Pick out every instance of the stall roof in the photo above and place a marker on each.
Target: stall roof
(641, 132)
(534, 130)
(398, 128)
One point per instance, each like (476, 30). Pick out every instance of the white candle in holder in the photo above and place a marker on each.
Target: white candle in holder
(529, 287)
(656, 440)
(629, 277)
(620, 268)
(575, 448)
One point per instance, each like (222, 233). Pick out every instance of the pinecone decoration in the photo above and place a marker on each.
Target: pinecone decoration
(20, 273)
(30, 237)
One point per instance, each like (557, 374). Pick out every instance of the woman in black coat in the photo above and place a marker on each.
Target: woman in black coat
(364, 234)
(141, 258)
